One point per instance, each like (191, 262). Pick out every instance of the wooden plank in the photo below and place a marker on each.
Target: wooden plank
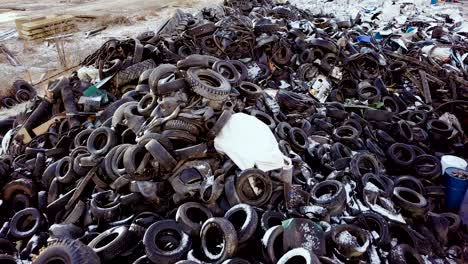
(20, 21)
(44, 127)
(48, 34)
(46, 22)
(53, 31)
(51, 27)
(425, 85)
(23, 135)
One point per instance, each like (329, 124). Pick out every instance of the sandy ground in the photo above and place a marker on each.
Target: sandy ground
(124, 18)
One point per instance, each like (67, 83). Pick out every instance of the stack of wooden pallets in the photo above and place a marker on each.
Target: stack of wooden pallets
(43, 27)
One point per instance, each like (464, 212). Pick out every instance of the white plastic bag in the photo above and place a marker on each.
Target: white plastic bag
(250, 143)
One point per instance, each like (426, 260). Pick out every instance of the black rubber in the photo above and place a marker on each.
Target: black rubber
(244, 218)
(220, 122)
(272, 244)
(270, 219)
(201, 29)
(380, 181)
(369, 93)
(132, 73)
(180, 124)
(454, 220)
(165, 242)
(374, 222)
(160, 72)
(214, 232)
(23, 96)
(82, 137)
(226, 69)
(135, 160)
(345, 133)
(208, 83)
(64, 171)
(67, 251)
(103, 205)
(364, 162)
(440, 127)
(411, 183)
(404, 254)
(101, 140)
(329, 194)
(401, 154)
(348, 249)
(411, 201)
(147, 104)
(20, 224)
(427, 166)
(191, 216)
(112, 242)
(247, 194)
(298, 139)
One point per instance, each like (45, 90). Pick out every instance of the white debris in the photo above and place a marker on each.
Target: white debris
(361, 206)
(284, 85)
(311, 241)
(313, 209)
(386, 213)
(250, 143)
(253, 71)
(439, 53)
(371, 187)
(320, 88)
(394, 242)
(325, 197)
(374, 257)
(88, 74)
(375, 235)
(347, 239)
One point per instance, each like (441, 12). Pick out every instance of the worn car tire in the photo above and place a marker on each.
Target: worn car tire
(67, 251)
(208, 84)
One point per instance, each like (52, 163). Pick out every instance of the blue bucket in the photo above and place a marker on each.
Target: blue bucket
(455, 187)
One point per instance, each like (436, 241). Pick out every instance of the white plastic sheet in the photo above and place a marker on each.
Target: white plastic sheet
(250, 143)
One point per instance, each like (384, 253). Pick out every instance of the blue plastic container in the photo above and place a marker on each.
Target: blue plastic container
(455, 188)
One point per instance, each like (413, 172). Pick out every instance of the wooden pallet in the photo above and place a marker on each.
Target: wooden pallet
(42, 27)
(50, 33)
(55, 27)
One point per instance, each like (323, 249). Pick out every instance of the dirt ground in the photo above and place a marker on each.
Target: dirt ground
(39, 60)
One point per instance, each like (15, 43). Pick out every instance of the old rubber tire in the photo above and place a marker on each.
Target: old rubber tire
(166, 229)
(244, 218)
(110, 243)
(220, 230)
(67, 251)
(17, 226)
(208, 83)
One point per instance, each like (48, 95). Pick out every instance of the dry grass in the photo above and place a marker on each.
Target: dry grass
(140, 18)
(106, 21)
